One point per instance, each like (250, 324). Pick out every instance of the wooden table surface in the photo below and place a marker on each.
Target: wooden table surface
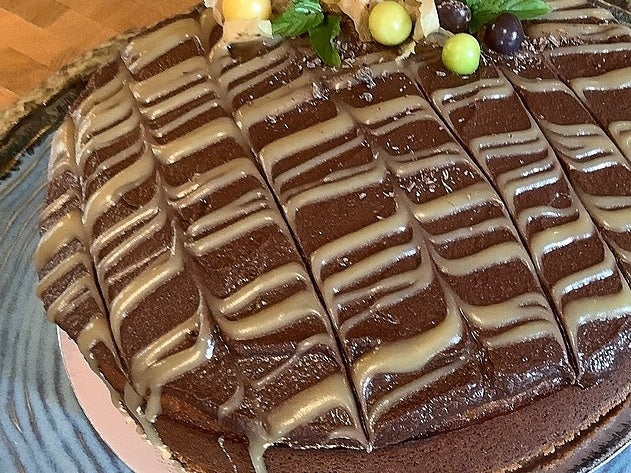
(37, 37)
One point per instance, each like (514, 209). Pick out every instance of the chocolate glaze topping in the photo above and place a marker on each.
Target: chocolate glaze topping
(577, 269)
(277, 253)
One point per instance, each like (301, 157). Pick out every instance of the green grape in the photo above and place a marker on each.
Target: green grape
(461, 54)
(390, 23)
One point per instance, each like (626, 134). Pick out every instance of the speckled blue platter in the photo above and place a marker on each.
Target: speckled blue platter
(42, 426)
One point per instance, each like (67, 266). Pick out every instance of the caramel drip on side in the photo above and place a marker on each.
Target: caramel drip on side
(102, 119)
(152, 370)
(64, 231)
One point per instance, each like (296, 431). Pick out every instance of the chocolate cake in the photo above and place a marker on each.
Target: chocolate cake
(281, 266)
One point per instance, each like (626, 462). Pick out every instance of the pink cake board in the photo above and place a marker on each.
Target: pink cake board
(117, 429)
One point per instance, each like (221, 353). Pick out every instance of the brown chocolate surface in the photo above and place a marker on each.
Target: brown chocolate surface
(388, 256)
(510, 442)
(500, 134)
(597, 169)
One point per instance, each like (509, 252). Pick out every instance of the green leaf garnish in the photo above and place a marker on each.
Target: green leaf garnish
(485, 11)
(300, 18)
(307, 16)
(322, 39)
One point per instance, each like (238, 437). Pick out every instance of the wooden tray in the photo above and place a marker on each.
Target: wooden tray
(38, 37)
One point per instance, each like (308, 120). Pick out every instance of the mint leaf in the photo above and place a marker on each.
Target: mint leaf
(529, 9)
(322, 39)
(485, 11)
(302, 16)
(306, 16)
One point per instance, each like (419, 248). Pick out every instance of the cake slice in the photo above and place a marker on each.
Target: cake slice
(577, 22)
(577, 269)
(599, 172)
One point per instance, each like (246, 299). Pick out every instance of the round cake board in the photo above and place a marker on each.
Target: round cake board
(115, 426)
(119, 431)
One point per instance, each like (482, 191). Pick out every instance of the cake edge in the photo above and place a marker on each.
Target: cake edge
(585, 411)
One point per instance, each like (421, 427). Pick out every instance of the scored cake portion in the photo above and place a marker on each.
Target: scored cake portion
(577, 269)
(322, 156)
(68, 286)
(599, 172)
(140, 265)
(472, 240)
(410, 354)
(250, 271)
(577, 22)
(597, 67)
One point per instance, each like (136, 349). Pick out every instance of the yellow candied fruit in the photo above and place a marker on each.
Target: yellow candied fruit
(247, 9)
(389, 23)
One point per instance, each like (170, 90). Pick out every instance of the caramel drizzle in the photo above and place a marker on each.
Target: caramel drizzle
(403, 356)
(95, 131)
(67, 229)
(567, 20)
(611, 213)
(582, 310)
(609, 81)
(586, 148)
(220, 226)
(518, 319)
(614, 38)
(102, 119)
(533, 317)
(602, 38)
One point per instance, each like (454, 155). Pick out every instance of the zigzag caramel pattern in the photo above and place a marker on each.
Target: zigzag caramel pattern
(441, 168)
(183, 149)
(470, 237)
(550, 217)
(246, 307)
(601, 85)
(352, 263)
(370, 273)
(599, 172)
(577, 21)
(138, 252)
(75, 305)
(464, 222)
